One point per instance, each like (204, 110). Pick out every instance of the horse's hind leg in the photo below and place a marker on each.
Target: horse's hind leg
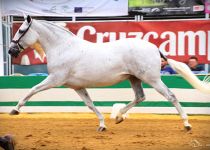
(136, 84)
(86, 98)
(49, 82)
(164, 90)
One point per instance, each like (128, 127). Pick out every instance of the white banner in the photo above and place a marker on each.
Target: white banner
(65, 7)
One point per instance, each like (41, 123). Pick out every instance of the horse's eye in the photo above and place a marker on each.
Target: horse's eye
(21, 31)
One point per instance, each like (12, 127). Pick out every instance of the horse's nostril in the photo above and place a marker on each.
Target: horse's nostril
(11, 51)
(14, 52)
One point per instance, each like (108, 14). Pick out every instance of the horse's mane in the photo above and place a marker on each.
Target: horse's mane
(57, 26)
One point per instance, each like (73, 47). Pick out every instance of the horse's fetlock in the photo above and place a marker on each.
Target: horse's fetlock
(101, 119)
(119, 114)
(174, 101)
(185, 118)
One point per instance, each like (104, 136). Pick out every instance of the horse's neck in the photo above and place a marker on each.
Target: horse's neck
(51, 35)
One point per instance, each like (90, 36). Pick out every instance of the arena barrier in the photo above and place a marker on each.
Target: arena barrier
(63, 99)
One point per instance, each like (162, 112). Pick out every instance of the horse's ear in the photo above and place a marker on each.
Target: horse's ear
(28, 19)
(25, 16)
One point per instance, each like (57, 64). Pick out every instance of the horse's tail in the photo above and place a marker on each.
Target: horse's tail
(184, 70)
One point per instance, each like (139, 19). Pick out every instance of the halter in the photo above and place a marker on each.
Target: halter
(22, 32)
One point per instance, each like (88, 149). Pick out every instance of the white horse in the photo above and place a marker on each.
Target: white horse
(78, 64)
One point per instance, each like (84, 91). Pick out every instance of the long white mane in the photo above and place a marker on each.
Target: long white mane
(56, 26)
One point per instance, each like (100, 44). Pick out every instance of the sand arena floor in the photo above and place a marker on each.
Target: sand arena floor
(69, 131)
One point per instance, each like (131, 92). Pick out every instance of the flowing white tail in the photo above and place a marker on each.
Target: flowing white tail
(184, 70)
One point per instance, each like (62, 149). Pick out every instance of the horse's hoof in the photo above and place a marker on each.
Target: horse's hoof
(14, 112)
(101, 129)
(188, 128)
(118, 120)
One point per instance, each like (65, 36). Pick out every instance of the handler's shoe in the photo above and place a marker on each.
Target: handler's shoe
(10, 144)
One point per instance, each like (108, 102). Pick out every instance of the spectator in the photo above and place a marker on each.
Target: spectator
(7, 142)
(165, 68)
(194, 66)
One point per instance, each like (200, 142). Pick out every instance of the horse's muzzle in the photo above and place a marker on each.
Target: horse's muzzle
(14, 51)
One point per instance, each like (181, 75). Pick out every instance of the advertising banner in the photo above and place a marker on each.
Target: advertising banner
(176, 39)
(207, 6)
(166, 7)
(65, 7)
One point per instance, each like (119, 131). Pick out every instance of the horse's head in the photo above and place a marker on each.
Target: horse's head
(23, 38)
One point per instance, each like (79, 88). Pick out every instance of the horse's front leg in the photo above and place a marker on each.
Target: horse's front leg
(86, 98)
(49, 82)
